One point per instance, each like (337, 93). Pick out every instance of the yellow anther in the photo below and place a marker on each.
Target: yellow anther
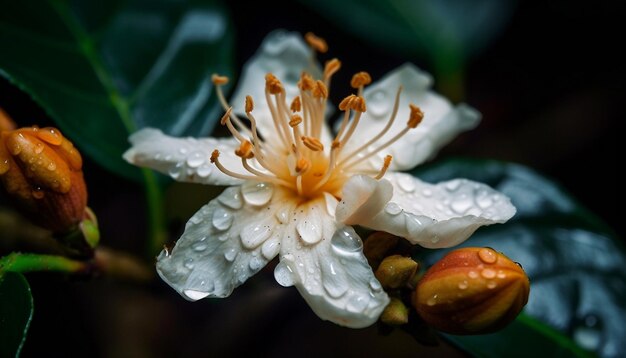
(313, 144)
(306, 82)
(215, 155)
(383, 170)
(249, 104)
(335, 144)
(331, 67)
(320, 90)
(360, 79)
(245, 150)
(316, 43)
(302, 165)
(226, 116)
(295, 120)
(272, 84)
(353, 102)
(415, 117)
(219, 80)
(296, 105)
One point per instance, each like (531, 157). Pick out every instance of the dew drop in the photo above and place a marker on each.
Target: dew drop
(50, 135)
(195, 295)
(222, 219)
(375, 285)
(427, 193)
(501, 274)
(4, 166)
(432, 300)
(487, 255)
(491, 285)
(175, 170)
(188, 263)
(284, 275)
(182, 150)
(255, 264)
(38, 148)
(282, 215)
(588, 332)
(483, 200)
(461, 205)
(270, 248)
(254, 235)
(463, 285)
(472, 274)
(406, 183)
(357, 303)
(257, 194)
(196, 219)
(435, 239)
(51, 166)
(309, 229)
(488, 273)
(230, 254)
(346, 240)
(453, 185)
(333, 281)
(378, 104)
(231, 198)
(38, 193)
(203, 171)
(15, 148)
(393, 208)
(195, 159)
(199, 246)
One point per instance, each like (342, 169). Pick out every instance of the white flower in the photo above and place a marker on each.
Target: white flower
(295, 188)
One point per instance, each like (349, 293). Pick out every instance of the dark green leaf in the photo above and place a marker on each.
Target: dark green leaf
(431, 27)
(16, 312)
(574, 262)
(104, 69)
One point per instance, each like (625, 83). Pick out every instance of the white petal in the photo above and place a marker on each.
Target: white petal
(433, 216)
(441, 123)
(332, 275)
(184, 159)
(285, 55)
(224, 243)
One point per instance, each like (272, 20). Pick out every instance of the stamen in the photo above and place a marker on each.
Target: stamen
(258, 148)
(257, 177)
(392, 118)
(330, 68)
(219, 80)
(302, 165)
(226, 121)
(360, 79)
(335, 146)
(414, 119)
(295, 120)
(320, 90)
(383, 170)
(245, 150)
(317, 43)
(353, 102)
(273, 85)
(313, 144)
(306, 82)
(249, 104)
(296, 105)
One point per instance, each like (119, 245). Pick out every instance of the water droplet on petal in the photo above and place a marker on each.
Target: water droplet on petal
(472, 274)
(255, 264)
(333, 280)
(199, 246)
(488, 273)
(393, 208)
(175, 170)
(282, 215)
(4, 166)
(309, 230)
(461, 205)
(588, 332)
(270, 248)
(257, 194)
(375, 285)
(463, 285)
(487, 255)
(230, 254)
(453, 185)
(231, 198)
(346, 239)
(222, 219)
(196, 159)
(501, 274)
(427, 193)
(254, 235)
(50, 135)
(491, 285)
(406, 183)
(38, 148)
(38, 193)
(51, 166)
(378, 103)
(188, 263)
(195, 295)
(203, 171)
(432, 300)
(284, 274)
(412, 223)
(15, 149)
(357, 303)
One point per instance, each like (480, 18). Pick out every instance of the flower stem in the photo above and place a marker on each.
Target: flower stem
(156, 216)
(20, 262)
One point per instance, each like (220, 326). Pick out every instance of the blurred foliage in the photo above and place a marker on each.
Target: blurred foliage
(104, 69)
(575, 263)
(16, 311)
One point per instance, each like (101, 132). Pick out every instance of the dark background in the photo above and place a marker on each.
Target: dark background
(551, 91)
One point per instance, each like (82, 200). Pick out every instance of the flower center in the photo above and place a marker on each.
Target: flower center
(300, 155)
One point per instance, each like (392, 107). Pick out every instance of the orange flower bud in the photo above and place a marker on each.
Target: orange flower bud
(41, 170)
(472, 291)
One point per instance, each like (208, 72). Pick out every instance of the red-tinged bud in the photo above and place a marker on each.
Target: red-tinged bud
(42, 171)
(472, 291)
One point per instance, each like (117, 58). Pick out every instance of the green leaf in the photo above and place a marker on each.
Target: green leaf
(432, 27)
(16, 312)
(104, 69)
(574, 261)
